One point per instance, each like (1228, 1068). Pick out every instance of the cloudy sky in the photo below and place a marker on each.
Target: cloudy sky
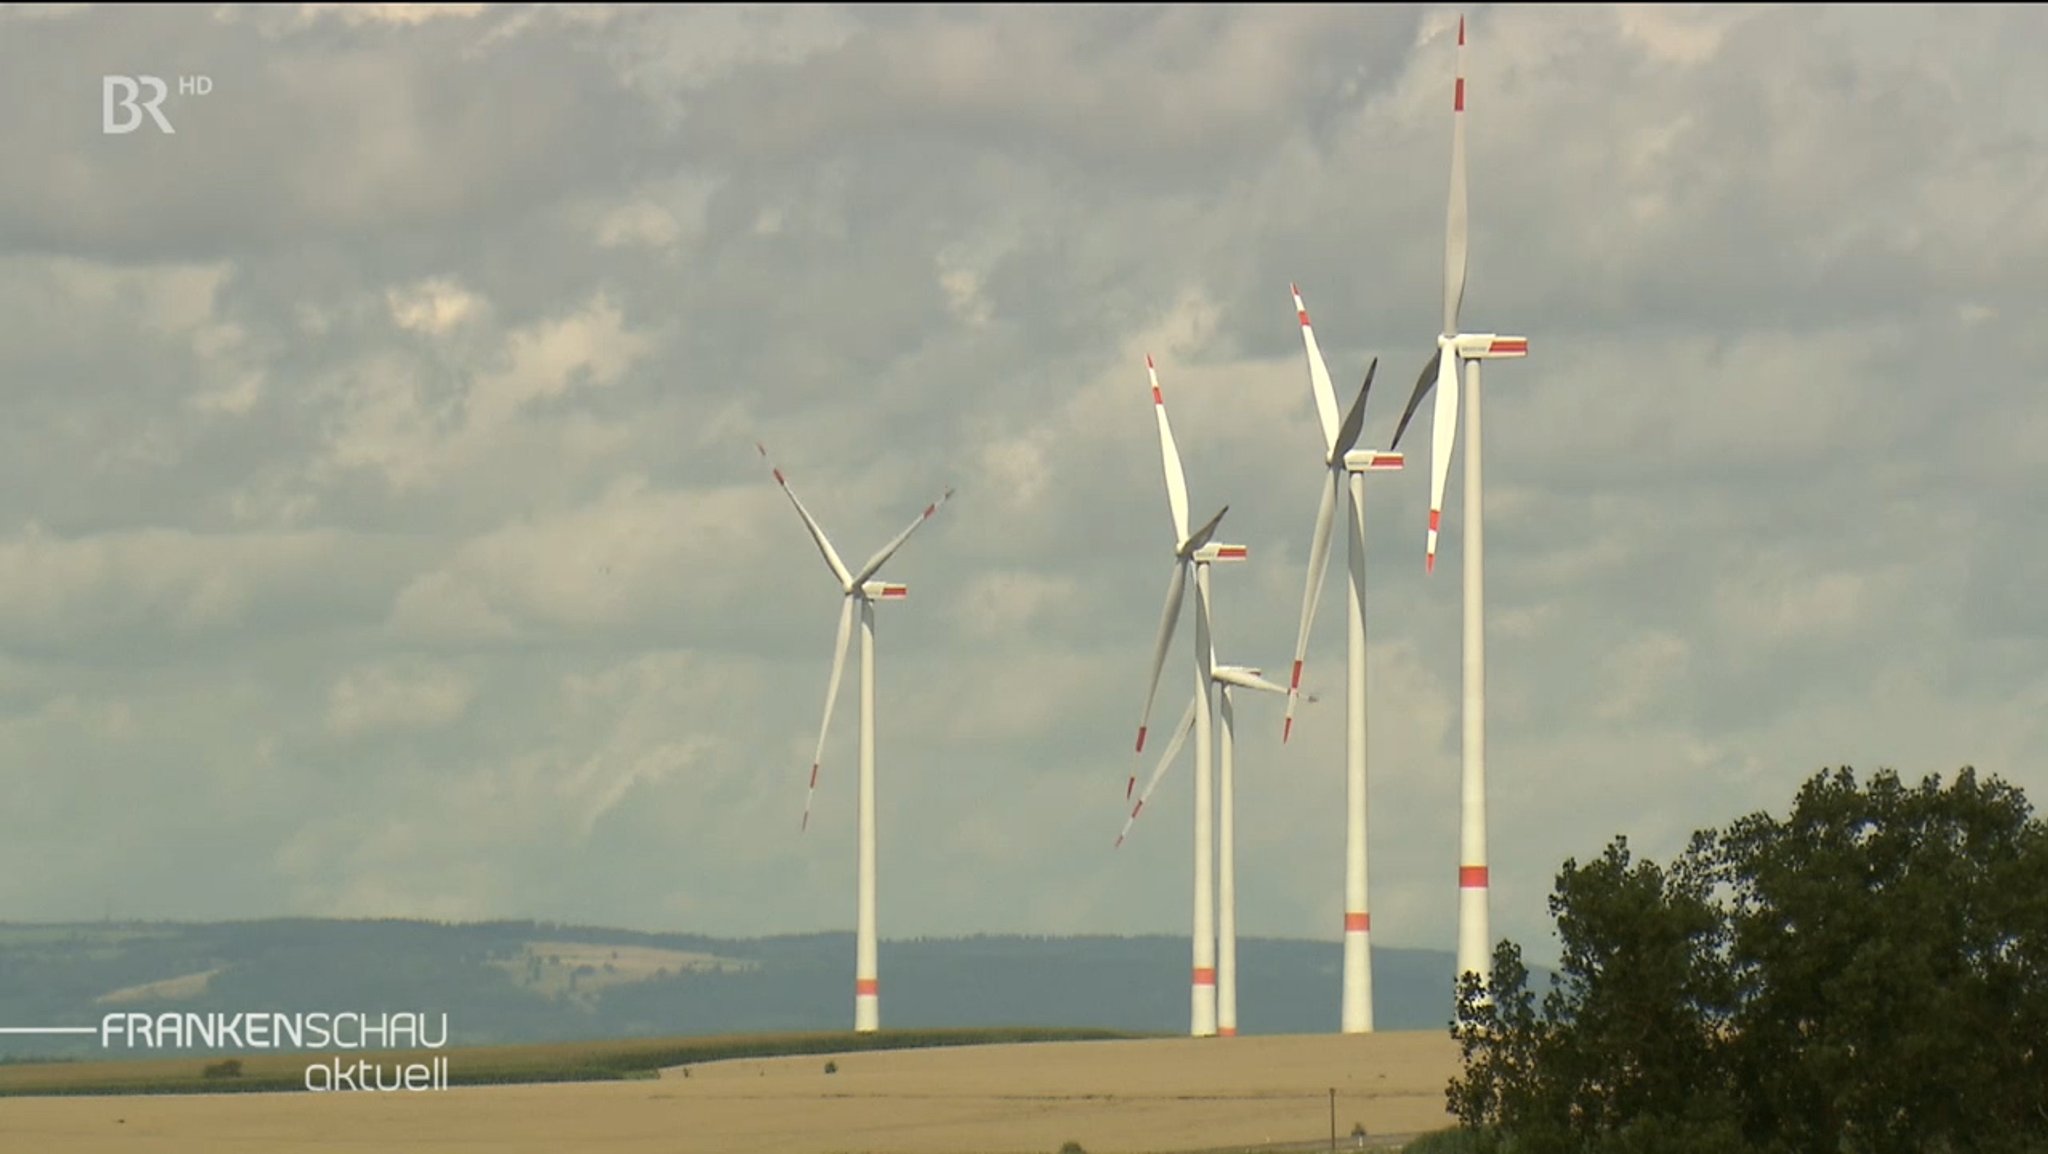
(381, 531)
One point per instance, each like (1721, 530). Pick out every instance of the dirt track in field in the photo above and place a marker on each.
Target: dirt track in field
(1173, 1094)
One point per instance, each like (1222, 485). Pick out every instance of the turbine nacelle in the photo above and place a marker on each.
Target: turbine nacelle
(1485, 346)
(1213, 552)
(1372, 461)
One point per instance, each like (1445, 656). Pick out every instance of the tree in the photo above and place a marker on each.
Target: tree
(1893, 950)
(1868, 975)
(1631, 1034)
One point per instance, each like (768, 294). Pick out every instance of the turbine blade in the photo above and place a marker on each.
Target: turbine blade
(831, 699)
(1180, 737)
(1254, 681)
(1318, 562)
(1203, 534)
(831, 555)
(882, 555)
(1167, 620)
(1318, 377)
(1243, 678)
(1455, 217)
(1443, 435)
(1423, 381)
(1169, 453)
(1354, 421)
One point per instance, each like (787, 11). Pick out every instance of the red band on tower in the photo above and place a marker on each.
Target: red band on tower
(1357, 923)
(867, 987)
(1472, 877)
(1204, 976)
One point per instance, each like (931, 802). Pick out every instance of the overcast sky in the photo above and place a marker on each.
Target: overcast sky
(381, 531)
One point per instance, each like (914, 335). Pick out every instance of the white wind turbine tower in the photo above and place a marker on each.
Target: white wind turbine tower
(859, 590)
(1189, 552)
(1225, 677)
(1341, 461)
(1453, 347)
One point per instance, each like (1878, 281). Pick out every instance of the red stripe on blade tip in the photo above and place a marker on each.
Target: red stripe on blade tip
(1458, 104)
(1303, 313)
(1157, 397)
(1141, 739)
(1357, 923)
(814, 775)
(1471, 877)
(1436, 519)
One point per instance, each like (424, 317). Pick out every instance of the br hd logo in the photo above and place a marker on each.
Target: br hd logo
(122, 104)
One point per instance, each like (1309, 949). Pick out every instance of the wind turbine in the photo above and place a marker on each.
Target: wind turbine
(1190, 552)
(1225, 677)
(1453, 347)
(1341, 460)
(859, 590)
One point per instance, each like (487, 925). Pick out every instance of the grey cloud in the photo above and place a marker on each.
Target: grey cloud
(1764, 496)
(329, 133)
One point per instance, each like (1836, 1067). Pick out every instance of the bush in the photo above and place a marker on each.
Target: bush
(231, 1068)
(1071, 1147)
(831, 1067)
(1452, 1141)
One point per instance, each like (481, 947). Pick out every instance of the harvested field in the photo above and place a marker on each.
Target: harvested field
(1148, 1095)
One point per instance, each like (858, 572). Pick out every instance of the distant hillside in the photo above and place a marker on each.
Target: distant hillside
(502, 982)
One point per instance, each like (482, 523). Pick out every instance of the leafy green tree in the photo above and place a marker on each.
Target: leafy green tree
(1892, 945)
(1868, 975)
(1629, 1040)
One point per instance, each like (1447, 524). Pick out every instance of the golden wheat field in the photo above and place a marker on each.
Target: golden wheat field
(1148, 1095)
